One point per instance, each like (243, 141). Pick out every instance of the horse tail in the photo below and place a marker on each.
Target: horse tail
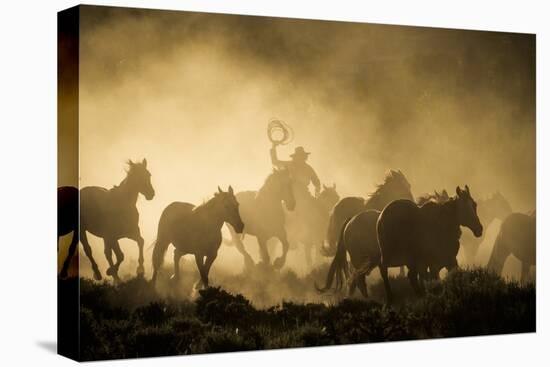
(160, 246)
(331, 236)
(339, 267)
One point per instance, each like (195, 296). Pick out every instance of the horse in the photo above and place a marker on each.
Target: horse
(395, 186)
(516, 237)
(112, 215)
(195, 230)
(358, 238)
(494, 207)
(67, 222)
(309, 229)
(424, 237)
(263, 214)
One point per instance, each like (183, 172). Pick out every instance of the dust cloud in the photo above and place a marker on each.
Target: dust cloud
(193, 93)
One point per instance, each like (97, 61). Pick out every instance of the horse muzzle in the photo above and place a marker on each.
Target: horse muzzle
(478, 231)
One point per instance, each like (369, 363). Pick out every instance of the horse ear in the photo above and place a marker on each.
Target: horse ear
(144, 162)
(458, 191)
(467, 189)
(230, 190)
(219, 190)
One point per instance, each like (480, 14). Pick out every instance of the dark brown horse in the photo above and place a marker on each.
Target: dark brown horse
(67, 222)
(113, 215)
(359, 239)
(517, 236)
(425, 237)
(195, 230)
(395, 186)
(263, 214)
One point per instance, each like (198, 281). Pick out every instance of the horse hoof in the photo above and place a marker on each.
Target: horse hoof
(97, 275)
(110, 272)
(63, 274)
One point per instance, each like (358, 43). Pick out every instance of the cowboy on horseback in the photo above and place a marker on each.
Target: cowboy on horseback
(302, 173)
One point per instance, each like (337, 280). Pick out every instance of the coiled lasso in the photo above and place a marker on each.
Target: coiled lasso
(279, 127)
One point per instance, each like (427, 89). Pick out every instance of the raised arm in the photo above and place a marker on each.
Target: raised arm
(276, 161)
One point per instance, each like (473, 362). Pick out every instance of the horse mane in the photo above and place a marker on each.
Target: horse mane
(390, 177)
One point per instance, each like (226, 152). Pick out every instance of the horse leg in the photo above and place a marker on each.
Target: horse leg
(119, 259)
(248, 262)
(413, 279)
(140, 242)
(108, 251)
(72, 248)
(362, 284)
(384, 274)
(264, 254)
(206, 268)
(88, 252)
(280, 262)
(177, 257)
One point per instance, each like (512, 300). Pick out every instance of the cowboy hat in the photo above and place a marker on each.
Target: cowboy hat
(299, 152)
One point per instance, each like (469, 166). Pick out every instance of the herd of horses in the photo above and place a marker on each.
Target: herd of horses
(387, 229)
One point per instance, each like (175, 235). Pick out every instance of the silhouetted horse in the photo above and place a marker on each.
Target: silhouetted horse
(395, 186)
(516, 237)
(309, 229)
(263, 214)
(112, 215)
(495, 207)
(359, 239)
(424, 237)
(195, 230)
(67, 222)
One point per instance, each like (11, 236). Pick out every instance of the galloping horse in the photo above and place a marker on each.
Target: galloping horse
(494, 207)
(67, 222)
(263, 214)
(359, 239)
(424, 237)
(395, 186)
(310, 228)
(195, 230)
(516, 237)
(112, 215)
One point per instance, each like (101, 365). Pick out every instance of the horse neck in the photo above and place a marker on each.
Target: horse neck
(378, 200)
(448, 214)
(211, 212)
(126, 191)
(268, 194)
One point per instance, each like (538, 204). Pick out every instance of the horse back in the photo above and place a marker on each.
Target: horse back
(67, 209)
(398, 233)
(360, 238)
(104, 215)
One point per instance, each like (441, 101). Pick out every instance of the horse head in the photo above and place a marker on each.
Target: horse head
(230, 208)
(282, 180)
(495, 207)
(328, 196)
(140, 178)
(467, 211)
